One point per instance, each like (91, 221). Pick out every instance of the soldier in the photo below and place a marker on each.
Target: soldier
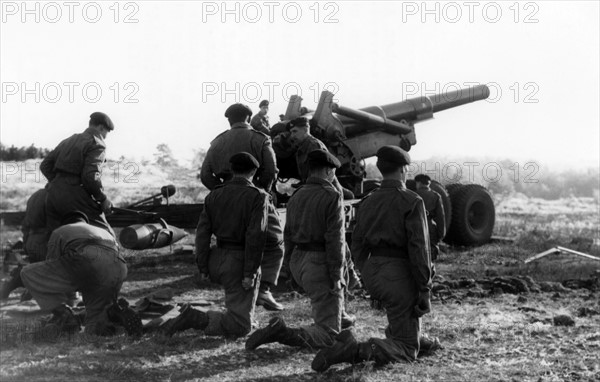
(73, 170)
(35, 241)
(391, 249)
(216, 170)
(236, 213)
(81, 257)
(436, 218)
(35, 232)
(314, 235)
(260, 122)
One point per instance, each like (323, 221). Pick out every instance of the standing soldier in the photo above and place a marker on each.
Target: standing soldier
(391, 249)
(260, 122)
(236, 213)
(216, 170)
(73, 169)
(314, 234)
(436, 218)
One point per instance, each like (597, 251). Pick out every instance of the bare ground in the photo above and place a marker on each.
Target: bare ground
(491, 336)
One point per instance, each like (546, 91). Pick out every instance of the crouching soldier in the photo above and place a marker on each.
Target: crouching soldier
(236, 213)
(314, 240)
(84, 258)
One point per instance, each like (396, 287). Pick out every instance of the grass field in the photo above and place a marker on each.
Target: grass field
(487, 335)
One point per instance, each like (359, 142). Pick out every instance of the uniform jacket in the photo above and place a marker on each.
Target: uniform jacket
(241, 137)
(236, 212)
(394, 217)
(80, 155)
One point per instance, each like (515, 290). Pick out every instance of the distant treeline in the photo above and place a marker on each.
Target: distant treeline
(14, 153)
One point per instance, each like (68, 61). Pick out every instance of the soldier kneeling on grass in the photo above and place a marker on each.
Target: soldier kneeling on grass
(236, 213)
(84, 258)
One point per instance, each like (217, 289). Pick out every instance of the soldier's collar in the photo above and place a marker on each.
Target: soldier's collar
(315, 180)
(238, 125)
(94, 132)
(240, 180)
(392, 183)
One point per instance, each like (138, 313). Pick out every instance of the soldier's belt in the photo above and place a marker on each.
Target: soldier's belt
(396, 252)
(225, 244)
(315, 247)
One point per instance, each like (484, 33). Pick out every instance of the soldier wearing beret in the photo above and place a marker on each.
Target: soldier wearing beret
(314, 239)
(236, 213)
(260, 122)
(436, 217)
(216, 170)
(73, 169)
(391, 249)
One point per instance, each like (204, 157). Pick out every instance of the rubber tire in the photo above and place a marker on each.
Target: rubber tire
(473, 215)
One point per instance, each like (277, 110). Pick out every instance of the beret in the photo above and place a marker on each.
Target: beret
(393, 154)
(298, 122)
(99, 118)
(422, 178)
(243, 162)
(323, 158)
(238, 110)
(264, 102)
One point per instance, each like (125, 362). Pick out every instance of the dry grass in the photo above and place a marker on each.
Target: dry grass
(496, 338)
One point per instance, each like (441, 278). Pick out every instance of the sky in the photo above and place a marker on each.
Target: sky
(165, 71)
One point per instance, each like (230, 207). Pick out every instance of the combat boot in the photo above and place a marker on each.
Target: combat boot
(65, 319)
(427, 345)
(345, 349)
(120, 313)
(189, 318)
(266, 299)
(12, 283)
(274, 332)
(347, 320)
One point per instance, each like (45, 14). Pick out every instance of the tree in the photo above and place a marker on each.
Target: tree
(164, 156)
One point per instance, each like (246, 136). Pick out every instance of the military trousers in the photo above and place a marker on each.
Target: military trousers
(96, 271)
(226, 267)
(273, 254)
(390, 280)
(66, 194)
(36, 245)
(310, 270)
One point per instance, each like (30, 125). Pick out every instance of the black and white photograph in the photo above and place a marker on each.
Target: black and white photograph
(300, 190)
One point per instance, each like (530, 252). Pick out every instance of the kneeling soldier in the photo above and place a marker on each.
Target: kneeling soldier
(314, 234)
(236, 213)
(390, 245)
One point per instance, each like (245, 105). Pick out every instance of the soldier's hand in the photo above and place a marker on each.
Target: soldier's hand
(248, 283)
(423, 304)
(106, 206)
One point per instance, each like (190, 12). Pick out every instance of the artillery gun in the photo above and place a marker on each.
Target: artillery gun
(354, 135)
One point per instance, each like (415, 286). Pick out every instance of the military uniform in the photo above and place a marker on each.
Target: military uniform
(35, 232)
(436, 218)
(390, 245)
(314, 234)
(82, 258)
(73, 169)
(216, 169)
(261, 123)
(237, 215)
